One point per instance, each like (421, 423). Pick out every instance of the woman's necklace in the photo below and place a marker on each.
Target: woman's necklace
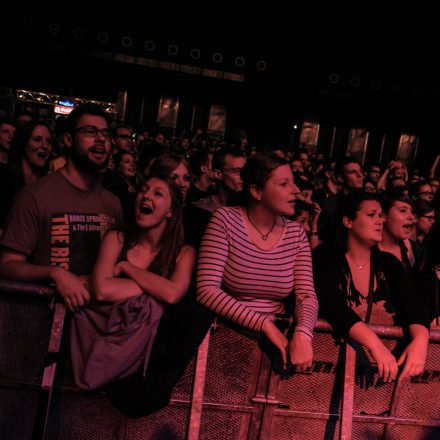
(263, 236)
(359, 266)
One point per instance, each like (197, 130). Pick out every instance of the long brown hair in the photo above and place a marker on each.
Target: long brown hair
(172, 237)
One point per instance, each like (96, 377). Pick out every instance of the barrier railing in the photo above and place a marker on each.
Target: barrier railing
(232, 390)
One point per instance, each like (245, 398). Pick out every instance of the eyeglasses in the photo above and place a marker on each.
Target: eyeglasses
(430, 218)
(426, 193)
(92, 131)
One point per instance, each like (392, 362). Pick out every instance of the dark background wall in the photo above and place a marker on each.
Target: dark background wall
(342, 65)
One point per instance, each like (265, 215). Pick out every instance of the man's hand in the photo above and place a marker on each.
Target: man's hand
(71, 287)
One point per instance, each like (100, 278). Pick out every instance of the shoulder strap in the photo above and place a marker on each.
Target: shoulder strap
(370, 293)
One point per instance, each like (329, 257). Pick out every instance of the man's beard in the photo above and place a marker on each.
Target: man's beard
(85, 164)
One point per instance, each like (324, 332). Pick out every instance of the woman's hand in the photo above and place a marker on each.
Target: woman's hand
(277, 338)
(316, 211)
(119, 268)
(386, 362)
(414, 357)
(300, 352)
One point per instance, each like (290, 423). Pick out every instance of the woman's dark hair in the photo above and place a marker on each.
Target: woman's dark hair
(166, 163)
(118, 157)
(172, 238)
(431, 254)
(349, 207)
(422, 207)
(300, 207)
(389, 198)
(18, 147)
(257, 172)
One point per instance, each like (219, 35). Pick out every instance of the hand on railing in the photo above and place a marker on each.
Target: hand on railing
(72, 288)
(413, 357)
(386, 362)
(300, 352)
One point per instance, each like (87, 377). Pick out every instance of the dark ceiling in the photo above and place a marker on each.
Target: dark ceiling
(342, 61)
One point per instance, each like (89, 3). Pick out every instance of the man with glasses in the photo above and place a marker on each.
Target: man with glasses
(422, 190)
(226, 166)
(122, 140)
(55, 226)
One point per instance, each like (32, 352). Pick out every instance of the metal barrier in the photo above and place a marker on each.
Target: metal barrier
(232, 390)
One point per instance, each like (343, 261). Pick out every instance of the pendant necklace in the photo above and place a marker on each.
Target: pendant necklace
(359, 266)
(263, 236)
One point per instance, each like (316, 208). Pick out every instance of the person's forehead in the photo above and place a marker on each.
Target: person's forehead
(6, 125)
(123, 130)
(96, 120)
(398, 204)
(425, 187)
(235, 162)
(352, 166)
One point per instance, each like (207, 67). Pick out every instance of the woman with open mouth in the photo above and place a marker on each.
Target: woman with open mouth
(399, 223)
(137, 272)
(356, 283)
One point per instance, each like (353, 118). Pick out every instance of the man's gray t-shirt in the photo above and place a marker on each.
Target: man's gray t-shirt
(55, 223)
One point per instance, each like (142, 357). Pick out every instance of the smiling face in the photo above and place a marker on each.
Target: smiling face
(366, 228)
(39, 147)
(153, 204)
(400, 220)
(127, 166)
(279, 192)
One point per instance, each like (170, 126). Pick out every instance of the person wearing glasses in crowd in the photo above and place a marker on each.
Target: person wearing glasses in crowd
(422, 190)
(122, 138)
(425, 219)
(54, 228)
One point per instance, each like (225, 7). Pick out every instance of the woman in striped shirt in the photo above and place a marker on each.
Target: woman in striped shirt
(253, 258)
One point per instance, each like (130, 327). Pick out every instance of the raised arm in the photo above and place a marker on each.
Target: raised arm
(434, 167)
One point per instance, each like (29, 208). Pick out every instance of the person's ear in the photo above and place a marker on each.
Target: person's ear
(217, 174)
(68, 141)
(255, 192)
(347, 222)
(169, 214)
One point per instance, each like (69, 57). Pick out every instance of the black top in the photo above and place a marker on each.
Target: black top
(428, 287)
(337, 295)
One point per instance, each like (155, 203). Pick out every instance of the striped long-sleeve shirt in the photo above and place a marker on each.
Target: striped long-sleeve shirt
(243, 283)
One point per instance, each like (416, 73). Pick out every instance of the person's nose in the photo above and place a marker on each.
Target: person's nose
(295, 190)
